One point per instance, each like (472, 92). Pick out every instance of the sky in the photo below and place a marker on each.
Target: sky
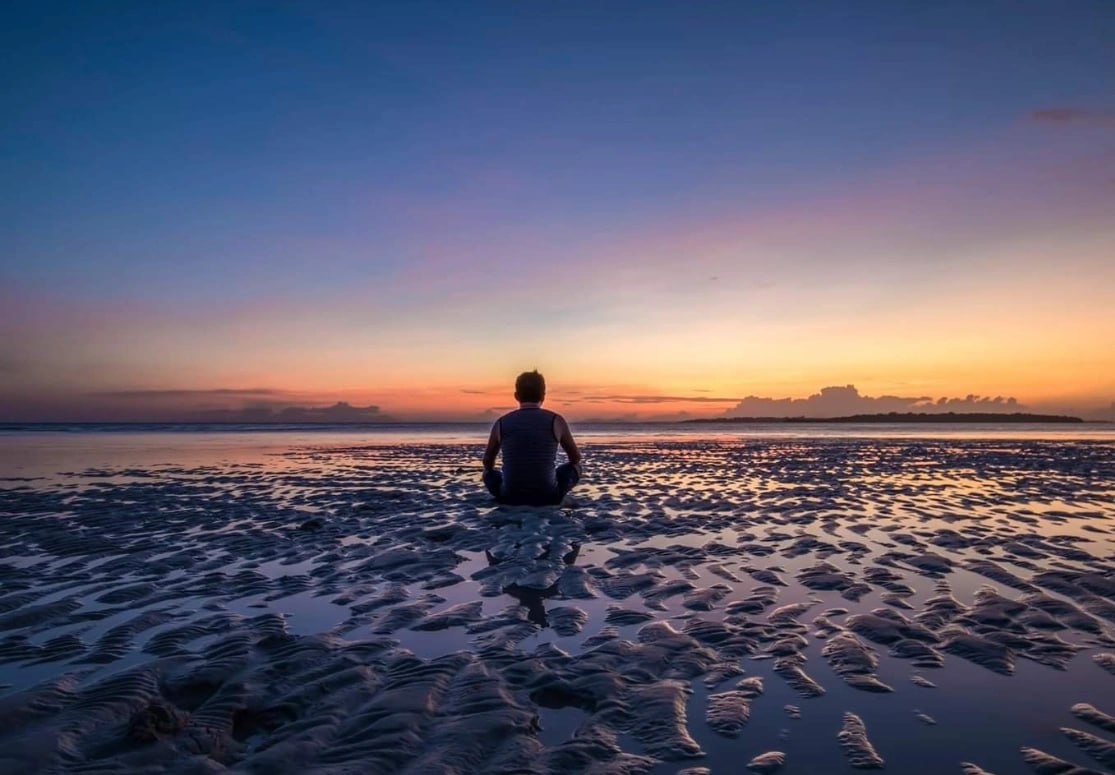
(388, 210)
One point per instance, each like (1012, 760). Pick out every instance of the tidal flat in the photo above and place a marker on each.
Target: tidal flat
(733, 604)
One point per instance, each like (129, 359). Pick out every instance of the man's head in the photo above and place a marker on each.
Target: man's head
(530, 388)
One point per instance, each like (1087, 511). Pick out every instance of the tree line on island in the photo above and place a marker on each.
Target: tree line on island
(906, 417)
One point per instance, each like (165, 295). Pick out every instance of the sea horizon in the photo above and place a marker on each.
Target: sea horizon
(293, 435)
(710, 423)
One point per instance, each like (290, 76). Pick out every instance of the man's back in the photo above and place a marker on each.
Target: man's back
(529, 438)
(530, 446)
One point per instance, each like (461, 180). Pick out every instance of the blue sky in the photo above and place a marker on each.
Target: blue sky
(205, 157)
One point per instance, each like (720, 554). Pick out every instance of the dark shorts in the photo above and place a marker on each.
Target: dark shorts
(566, 475)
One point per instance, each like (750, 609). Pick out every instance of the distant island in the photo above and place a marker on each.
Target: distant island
(906, 417)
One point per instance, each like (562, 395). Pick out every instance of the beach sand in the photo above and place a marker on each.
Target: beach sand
(724, 605)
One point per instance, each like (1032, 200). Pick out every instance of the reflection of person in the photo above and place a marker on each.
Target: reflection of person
(533, 599)
(529, 438)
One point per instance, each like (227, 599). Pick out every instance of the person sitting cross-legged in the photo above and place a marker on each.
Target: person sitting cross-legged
(529, 438)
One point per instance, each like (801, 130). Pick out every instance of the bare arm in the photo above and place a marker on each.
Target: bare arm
(565, 438)
(493, 448)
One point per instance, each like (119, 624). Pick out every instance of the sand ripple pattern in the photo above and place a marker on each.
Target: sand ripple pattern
(369, 609)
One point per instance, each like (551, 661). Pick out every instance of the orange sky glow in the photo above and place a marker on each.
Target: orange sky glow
(660, 266)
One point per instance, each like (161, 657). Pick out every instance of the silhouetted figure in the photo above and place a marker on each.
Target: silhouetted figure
(529, 438)
(534, 599)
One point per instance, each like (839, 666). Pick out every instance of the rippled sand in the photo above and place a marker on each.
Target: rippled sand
(721, 606)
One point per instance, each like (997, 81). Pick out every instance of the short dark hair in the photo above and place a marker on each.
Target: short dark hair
(530, 387)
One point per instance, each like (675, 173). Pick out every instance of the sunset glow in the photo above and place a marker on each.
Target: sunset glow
(664, 210)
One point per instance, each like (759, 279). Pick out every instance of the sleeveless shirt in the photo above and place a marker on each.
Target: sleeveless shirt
(529, 454)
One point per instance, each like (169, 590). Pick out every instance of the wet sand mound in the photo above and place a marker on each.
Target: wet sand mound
(1094, 716)
(857, 748)
(854, 662)
(1103, 751)
(1047, 764)
(771, 761)
(728, 712)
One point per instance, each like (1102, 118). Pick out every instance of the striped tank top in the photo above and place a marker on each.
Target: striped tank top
(529, 454)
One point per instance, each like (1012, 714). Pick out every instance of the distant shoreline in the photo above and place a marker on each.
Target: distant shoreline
(894, 418)
(905, 417)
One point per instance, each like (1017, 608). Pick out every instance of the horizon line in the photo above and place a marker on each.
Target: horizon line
(986, 417)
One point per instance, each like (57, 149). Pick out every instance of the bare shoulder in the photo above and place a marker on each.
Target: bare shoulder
(561, 425)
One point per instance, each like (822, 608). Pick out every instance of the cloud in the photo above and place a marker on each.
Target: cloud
(846, 400)
(627, 399)
(340, 412)
(237, 405)
(1073, 116)
(491, 413)
(174, 394)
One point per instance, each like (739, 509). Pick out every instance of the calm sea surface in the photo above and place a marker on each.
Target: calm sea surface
(49, 448)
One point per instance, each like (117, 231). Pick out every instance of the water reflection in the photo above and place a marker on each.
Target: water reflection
(532, 598)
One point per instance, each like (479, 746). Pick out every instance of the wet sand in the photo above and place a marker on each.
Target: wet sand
(727, 605)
